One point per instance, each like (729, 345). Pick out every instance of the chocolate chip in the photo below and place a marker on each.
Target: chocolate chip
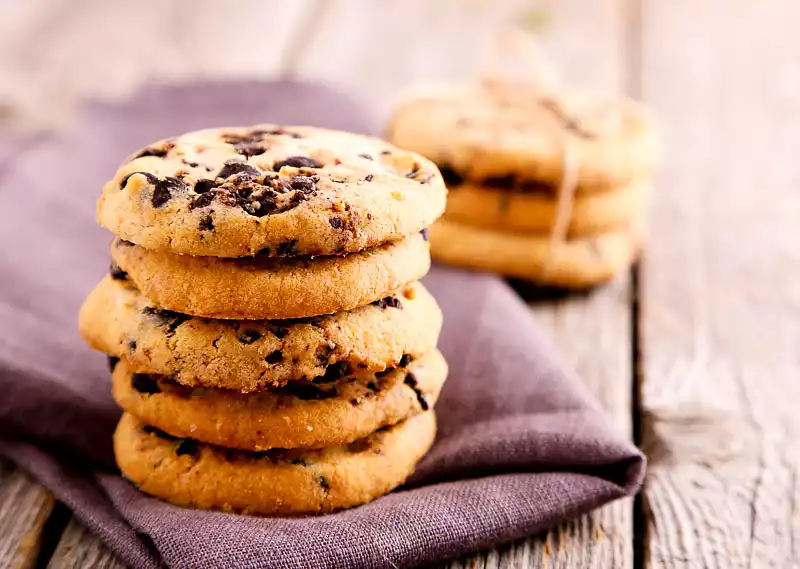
(221, 195)
(150, 178)
(287, 248)
(412, 382)
(116, 273)
(249, 149)
(405, 360)
(279, 332)
(207, 223)
(157, 151)
(249, 336)
(372, 386)
(132, 345)
(296, 162)
(355, 402)
(112, 363)
(336, 222)
(171, 320)
(335, 372)
(388, 302)
(233, 168)
(368, 178)
(303, 184)
(450, 176)
(424, 233)
(145, 383)
(306, 391)
(190, 447)
(275, 357)
(165, 189)
(367, 156)
(324, 483)
(190, 164)
(323, 353)
(278, 132)
(203, 185)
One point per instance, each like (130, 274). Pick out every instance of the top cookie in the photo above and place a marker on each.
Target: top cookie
(512, 137)
(235, 192)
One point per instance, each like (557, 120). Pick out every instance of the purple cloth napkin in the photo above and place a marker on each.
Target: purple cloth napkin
(520, 444)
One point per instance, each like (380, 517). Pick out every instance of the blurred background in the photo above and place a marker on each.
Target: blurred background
(53, 53)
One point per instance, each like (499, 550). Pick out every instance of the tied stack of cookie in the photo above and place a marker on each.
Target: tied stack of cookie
(546, 184)
(269, 342)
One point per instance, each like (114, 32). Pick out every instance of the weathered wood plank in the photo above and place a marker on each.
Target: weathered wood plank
(79, 549)
(25, 507)
(721, 299)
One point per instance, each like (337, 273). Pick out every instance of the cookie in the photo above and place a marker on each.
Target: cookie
(299, 415)
(268, 288)
(528, 212)
(270, 190)
(576, 263)
(512, 136)
(276, 482)
(251, 355)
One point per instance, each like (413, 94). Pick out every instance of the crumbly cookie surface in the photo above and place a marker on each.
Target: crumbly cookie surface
(276, 482)
(528, 212)
(270, 190)
(511, 136)
(250, 355)
(299, 415)
(572, 264)
(268, 288)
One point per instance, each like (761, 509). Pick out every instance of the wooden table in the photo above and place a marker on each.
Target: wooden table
(695, 353)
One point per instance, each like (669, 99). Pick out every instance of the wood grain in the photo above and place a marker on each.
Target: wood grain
(25, 507)
(79, 549)
(721, 302)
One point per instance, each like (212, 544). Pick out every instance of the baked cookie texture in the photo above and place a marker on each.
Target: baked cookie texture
(252, 355)
(272, 191)
(490, 134)
(268, 338)
(548, 184)
(573, 264)
(278, 482)
(268, 288)
(298, 415)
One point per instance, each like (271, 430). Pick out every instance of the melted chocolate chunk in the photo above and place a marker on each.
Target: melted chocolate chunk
(150, 178)
(145, 383)
(405, 360)
(372, 386)
(171, 320)
(112, 363)
(190, 447)
(334, 372)
(157, 151)
(116, 273)
(388, 302)
(207, 223)
(233, 168)
(165, 189)
(336, 222)
(355, 402)
(132, 345)
(203, 185)
(275, 357)
(411, 381)
(249, 336)
(296, 162)
(450, 176)
(287, 248)
(368, 178)
(305, 184)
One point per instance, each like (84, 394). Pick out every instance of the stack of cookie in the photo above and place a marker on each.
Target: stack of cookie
(548, 188)
(269, 343)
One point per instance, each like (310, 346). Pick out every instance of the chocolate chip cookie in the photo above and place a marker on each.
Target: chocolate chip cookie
(301, 414)
(510, 136)
(250, 355)
(276, 482)
(270, 190)
(264, 287)
(576, 263)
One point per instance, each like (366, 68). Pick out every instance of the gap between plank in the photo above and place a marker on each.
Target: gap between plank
(51, 534)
